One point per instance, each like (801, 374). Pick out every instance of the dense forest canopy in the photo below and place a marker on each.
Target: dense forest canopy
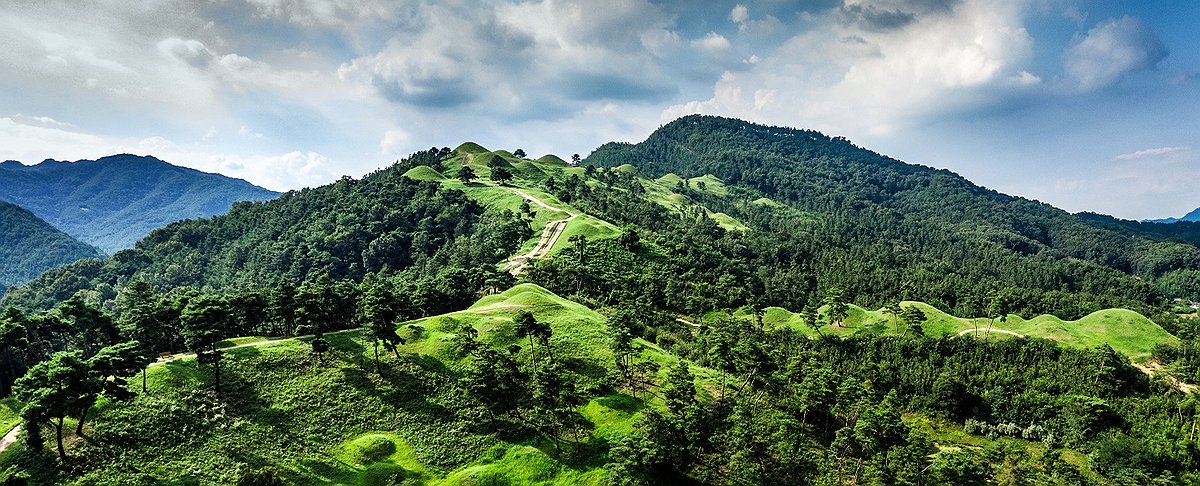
(880, 227)
(30, 246)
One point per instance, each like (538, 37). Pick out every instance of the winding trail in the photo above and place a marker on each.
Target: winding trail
(550, 235)
(964, 332)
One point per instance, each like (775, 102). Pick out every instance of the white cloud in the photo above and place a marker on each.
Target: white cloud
(1110, 51)
(853, 77)
(394, 142)
(1150, 152)
(712, 42)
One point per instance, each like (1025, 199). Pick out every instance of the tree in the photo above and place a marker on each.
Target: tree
(679, 391)
(999, 305)
(528, 326)
(55, 389)
(111, 367)
(378, 305)
(139, 319)
(620, 331)
(91, 328)
(812, 318)
(575, 159)
(204, 321)
(913, 317)
(893, 309)
(501, 175)
(466, 174)
(838, 308)
(518, 153)
(14, 339)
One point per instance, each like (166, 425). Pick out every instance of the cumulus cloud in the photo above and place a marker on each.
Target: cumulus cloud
(884, 64)
(1110, 51)
(494, 59)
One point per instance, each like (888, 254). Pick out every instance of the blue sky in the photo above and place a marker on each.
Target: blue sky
(1086, 105)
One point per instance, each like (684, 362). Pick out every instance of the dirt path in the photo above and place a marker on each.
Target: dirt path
(10, 438)
(550, 235)
(177, 357)
(1152, 368)
(964, 332)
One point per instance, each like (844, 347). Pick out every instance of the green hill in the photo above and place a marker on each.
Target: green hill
(1126, 331)
(30, 246)
(341, 422)
(114, 201)
(874, 225)
(424, 173)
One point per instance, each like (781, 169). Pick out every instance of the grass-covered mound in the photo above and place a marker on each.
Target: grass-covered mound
(337, 420)
(1124, 330)
(424, 173)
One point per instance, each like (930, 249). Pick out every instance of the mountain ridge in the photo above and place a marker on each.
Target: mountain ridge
(113, 201)
(30, 246)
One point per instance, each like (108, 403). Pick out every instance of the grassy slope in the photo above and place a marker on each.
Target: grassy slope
(341, 422)
(1126, 331)
(527, 174)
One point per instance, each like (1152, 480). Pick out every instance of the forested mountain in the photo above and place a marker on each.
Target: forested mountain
(114, 201)
(686, 315)
(884, 230)
(30, 246)
(384, 222)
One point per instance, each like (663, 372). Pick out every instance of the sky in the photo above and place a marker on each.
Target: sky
(1085, 105)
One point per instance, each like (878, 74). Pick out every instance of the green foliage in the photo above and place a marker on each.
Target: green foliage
(383, 223)
(884, 230)
(114, 201)
(30, 246)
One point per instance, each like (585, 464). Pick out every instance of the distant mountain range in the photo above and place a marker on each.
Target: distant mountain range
(114, 201)
(30, 246)
(1193, 216)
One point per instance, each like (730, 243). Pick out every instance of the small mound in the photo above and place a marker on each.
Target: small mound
(424, 173)
(369, 449)
(762, 201)
(627, 169)
(470, 148)
(669, 180)
(552, 159)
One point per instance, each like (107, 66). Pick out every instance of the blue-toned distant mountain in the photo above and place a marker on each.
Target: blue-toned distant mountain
(114, 201)
(1193, 216)
(30, 246)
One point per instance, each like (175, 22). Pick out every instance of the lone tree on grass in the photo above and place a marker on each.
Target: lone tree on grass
(53, 390)
(527, 325)
(466, 174)
(501, 175)
(838, 308)
(204, 321)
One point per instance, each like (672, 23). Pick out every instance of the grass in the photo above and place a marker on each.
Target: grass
(1124, 330)
(424, 173)
(238, 341)
(10, 414)
(340, 422)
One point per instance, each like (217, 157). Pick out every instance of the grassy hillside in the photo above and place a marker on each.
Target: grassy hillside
(114, 201)
(875, 224)
(30, 246)
(341, 422)
(1126, 331)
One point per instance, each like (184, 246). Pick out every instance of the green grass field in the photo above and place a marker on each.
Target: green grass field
(339, 422)
(1126, 331)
